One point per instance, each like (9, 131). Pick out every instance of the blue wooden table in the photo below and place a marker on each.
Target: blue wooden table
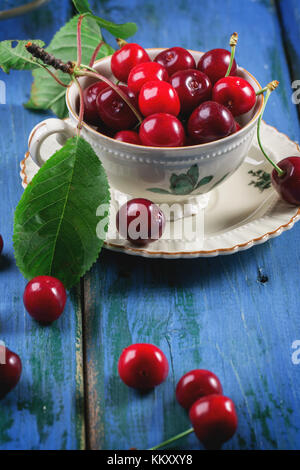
(204, 313)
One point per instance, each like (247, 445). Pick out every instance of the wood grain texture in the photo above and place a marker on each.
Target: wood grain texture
(289, 13)
(208, 313)
(46, 410)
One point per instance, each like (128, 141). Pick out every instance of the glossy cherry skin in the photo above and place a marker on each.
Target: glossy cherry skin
(214, 64)
(10, 372)
(196, 384)
(158, 97)
(162, 130)
(210, 121)
(175, 59)
(288, 185)
(140, 221)
(146, 72)
(113, 110)
(237, 127)
(143, 366)
(1, 244)
(90, 94)
(123, 60)
(131, 137)
(45, 298)
(193, 87)
(214, 420)
(235, 93)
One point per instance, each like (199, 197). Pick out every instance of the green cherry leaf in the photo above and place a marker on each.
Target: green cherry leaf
(46, 93)
(57, 218)
(123, 31)
(203, 181)
(193, 173)
(82, 6)
(14, 55)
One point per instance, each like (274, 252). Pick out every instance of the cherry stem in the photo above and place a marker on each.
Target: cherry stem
(172, 439)
(261, 91)
(270, 87)
(54, 76)
(232, 43)
(121, 42)
(95, 53)
(81, 108)
(95, 74)
(79, 48)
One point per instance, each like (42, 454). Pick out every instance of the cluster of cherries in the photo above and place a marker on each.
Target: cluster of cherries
(177, 101)
(44, 299)
(143, 366)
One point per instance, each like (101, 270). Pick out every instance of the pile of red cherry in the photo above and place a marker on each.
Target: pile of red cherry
(182, 103)
(143, 366)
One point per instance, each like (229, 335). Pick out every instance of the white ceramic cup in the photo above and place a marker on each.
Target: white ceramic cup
(162, 174)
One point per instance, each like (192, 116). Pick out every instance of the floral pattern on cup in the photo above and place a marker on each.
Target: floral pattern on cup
(184, 183)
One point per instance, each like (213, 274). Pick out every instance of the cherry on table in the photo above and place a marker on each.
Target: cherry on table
(10, 372)
(45, 298)
(1, 244)
(196, 384)
(158, 97)
(140, 221)
(113, 110)
(214, 420)
(140, 74)
(131, 137)
(162, 130)
(90, 94)
(143, 366)
(235, 93)
(210, 121)
(214, 64)
(123, 60)
(175, 59)
(193, 87)
(288, 185)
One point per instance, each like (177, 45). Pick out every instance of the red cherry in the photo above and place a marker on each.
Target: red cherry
(235, 93)
(214, 420)
(210, 121)
(1, 244)
(162, 130)
(90, 94)
(237, 127)
(45, 298)
(215, 63)
(197, 384)
(10, 372)
(288, 185)
(113, 110)
(130, 137)
(143, 366)
(123, 60)
(146, 72)
(140, 221)
(193, 87)
(175, 59)
(158, 97)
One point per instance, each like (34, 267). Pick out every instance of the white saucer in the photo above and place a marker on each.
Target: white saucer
(242, 212)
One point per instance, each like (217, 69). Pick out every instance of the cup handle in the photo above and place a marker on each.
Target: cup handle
(42, 131)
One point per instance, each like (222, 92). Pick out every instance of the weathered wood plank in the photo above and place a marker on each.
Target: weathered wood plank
(289, 12)
(46, 410)
(210, 313)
